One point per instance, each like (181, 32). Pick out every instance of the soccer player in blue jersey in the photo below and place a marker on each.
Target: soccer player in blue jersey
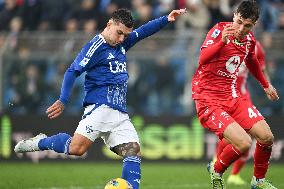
(104, 61)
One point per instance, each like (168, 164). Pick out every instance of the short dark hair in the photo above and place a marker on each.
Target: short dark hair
(123, 16)
(249, 10)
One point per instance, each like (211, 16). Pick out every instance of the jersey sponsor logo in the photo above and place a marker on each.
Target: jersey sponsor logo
(209, 42)
(216, 33)
(236, 42)
(222, 73)
(233, 87)
(110, 56)
(117, 67)
(123, 50)
(233, 64)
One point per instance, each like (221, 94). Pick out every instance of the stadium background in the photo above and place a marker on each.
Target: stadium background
(39, 39)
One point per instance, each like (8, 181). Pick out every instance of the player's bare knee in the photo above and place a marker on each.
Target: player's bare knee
(128, 149)
(244, 145)
(267, 138)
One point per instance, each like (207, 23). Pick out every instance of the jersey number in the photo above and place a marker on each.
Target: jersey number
(253, 112)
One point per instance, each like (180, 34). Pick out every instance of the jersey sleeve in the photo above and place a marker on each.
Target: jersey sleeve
(84, 59)
(254, 67)
(211, 45)
(260, 54)
(144, 31)
(213, 36)
(87, 57)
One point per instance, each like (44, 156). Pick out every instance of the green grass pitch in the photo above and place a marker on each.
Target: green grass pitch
(78, 175)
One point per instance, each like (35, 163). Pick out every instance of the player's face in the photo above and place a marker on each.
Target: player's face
(243, 26)
(118, 32)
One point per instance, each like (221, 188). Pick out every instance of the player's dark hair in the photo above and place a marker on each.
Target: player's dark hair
(123, 16)
(249, 10)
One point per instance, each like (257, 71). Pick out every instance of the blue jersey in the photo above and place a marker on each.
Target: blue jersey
(105, 67)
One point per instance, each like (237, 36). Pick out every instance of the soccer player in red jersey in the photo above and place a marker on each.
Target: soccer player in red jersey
(234, 177)
(220, 107)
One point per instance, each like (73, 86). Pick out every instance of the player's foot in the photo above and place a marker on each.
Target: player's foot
(29, 145)
(217, 181)
(236, 180)
(261, 184)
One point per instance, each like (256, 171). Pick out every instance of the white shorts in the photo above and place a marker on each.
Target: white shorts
(113, 126)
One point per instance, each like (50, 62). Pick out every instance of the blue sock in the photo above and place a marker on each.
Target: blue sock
(131, 170)
(58, 143)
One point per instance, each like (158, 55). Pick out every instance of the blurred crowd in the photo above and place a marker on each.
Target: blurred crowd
(158, 84)
(91, 15)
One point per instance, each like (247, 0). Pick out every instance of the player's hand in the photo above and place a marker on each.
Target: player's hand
(271, 93)
(55, 109)
(175, 13)
(228, 31)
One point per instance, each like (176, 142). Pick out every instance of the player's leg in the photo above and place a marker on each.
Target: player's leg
(41, 142)
(240, 143)
(60, 143)
(124, 141)
(29, 145)
(220, 146)
(63, 142)
(224, 126)
(239, 164)
(131, 170)
(234, 177)
(83, 138)
(264, 137)
(254, 123)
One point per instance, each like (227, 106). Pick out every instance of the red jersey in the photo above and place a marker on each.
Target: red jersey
(216, 77)
(243, 71)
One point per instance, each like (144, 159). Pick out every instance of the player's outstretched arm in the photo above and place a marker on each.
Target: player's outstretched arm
(176, 13)
(271, 93)
(151, 27)
(55, 109)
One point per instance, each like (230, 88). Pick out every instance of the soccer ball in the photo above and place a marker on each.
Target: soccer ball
(118, 183)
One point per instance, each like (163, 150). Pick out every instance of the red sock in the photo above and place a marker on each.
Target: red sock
(229, 155)
(220, 147)
(261, 159)
(239, 163)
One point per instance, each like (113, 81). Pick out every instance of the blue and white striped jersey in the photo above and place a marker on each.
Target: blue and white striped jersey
(105, 67)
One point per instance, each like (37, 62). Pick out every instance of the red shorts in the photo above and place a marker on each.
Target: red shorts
(217, 116)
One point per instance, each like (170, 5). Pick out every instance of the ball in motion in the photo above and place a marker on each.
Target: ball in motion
(118, 183)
